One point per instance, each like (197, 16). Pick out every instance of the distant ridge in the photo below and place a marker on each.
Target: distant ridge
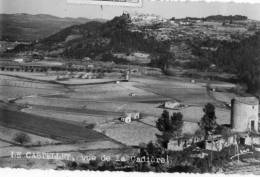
(27, 27)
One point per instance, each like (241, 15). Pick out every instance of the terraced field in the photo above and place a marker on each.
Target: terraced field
(48, 127)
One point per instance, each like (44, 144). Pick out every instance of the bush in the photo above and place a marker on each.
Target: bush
(71, 165)
(22, 138)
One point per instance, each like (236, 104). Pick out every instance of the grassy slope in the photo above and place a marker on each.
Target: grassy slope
(25, 27)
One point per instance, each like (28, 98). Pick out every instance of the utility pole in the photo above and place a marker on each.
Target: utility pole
(129, 72)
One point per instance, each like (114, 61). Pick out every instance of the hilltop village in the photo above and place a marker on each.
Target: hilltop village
(132, 89)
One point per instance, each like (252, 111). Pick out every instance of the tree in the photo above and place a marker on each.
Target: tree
(208, 121)
(22, 138)
(152, 151)
(224, 131)
(171, 127)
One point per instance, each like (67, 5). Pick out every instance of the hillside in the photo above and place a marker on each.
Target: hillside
(223, 44)
(26, 27)
(94, 39)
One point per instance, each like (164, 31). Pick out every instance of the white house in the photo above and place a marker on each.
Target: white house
(126, 119)
(19, 60)
(171, 105)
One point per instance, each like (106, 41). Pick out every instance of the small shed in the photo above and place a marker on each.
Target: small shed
(132, 94)
(127, 119)
(193, 81)
(19, 60)
(86, 59)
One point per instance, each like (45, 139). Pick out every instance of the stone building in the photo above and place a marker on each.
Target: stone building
(244, 114)
(218, 142)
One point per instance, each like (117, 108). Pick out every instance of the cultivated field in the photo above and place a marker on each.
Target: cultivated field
(44, 126)
(129, 134)
(64, 113)
(11, 87)
(182, 91)
(8, 134)
(4, 144)
(71, 115)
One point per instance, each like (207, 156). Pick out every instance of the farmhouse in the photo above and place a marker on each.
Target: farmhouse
(171, 105)
(128, 117)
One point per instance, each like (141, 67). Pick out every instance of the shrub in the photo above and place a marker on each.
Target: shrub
(22, 138)
(71, 165)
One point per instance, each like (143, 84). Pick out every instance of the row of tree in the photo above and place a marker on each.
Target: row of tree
(171, 126)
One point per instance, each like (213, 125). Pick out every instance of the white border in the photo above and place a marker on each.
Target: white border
(208, 1)
(113, 3)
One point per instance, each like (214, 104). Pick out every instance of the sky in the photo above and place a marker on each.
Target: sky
(166, 9)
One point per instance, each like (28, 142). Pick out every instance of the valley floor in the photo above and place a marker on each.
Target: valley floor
(81, 118)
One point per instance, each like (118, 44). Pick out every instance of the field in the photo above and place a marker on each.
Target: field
(4, 144)
(130, 134)
(50, 77)
(12, 87)
(71, 115)
(183, 91)
(85, 117)
(49, 127)
(8, 134)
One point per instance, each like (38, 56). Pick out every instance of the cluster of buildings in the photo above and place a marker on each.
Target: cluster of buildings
(152, 18)
(18, 65)
(243, 125)
(146, 18)
(80, 75)
(129, 117)
(90, 69)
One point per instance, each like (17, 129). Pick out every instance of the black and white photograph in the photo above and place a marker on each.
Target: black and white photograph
(160, 86)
